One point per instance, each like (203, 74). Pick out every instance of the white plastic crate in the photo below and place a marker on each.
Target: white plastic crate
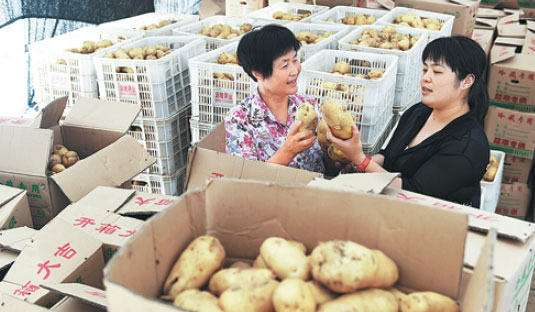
(383, 134)
(307, 50)
(337, 13)
(200, 129)
(445, 31)
(365, 99)
(492, 189)
(57, 72)
(215, 43)
(212, 98)
(166, 165)
(135, 22)
(288, 7)
(410, 66)
(160, 86)
(160, 184)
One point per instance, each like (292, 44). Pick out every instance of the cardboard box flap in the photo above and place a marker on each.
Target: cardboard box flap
(491, 22)
(509, 41)
(15, 239)
(146, 204)
(388, 4)
(50, 115)
(101, 114)
(514, 30)
(26, 150)
(8, 193)
(111, 166)
(7, 257)
(512, 18)
(10, 303)
(109, 199)
(372, 183)
(531, 25)
(500, 52)
(479, 295)
(466, 3)
(487, 12)
(85, 293)
(529, 42)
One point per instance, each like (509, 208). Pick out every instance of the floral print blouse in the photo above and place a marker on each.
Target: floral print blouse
(253, 132)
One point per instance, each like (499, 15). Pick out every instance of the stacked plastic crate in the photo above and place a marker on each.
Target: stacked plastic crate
(161, 87)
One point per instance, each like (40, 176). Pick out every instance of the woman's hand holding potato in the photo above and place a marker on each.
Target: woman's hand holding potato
(351, 148)
(295, 143)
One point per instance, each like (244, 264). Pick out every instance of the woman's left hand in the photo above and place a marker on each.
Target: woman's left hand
(351, 147)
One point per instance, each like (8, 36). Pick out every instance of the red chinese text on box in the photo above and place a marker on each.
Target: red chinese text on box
(25, 290)
(128, 90)
(96, 294)
(140, 201)
(223, 98)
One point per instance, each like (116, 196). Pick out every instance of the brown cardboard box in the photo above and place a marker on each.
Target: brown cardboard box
(242, 8)
(9, 303)
(514, 200)
(516, 169)
(79, 297)
(6, 258)
(510, 131)
(463, 10)
(95, 129)
(411, 234)
(14, 208)
(484, 37)
(207, 159)
(209, 8)
(486, 23)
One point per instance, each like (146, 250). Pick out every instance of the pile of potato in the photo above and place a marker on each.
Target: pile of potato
(388, 38)
(492, 169)
(61, 159)
(336, 276)
(89, 47)
(307, 37)
(415, 21)
(145, 53)
(287, 16)
(160, 24)
(352, 19)
(226, 59)
(220, 31)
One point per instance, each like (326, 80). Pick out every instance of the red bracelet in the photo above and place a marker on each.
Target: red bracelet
(365, 163)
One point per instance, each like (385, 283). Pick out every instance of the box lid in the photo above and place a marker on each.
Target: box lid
(372, 183)
(85, 293)
(29, 150)
(50, 115)
(7, 257)
(108, 199)
(489, 22)
(15, 239)
(111, 166)
(529, 42)
(8, 193)
(515, 30)
(101, 114)
(487, 12)
(10, 304)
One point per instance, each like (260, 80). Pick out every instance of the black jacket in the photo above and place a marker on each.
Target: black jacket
(449, 164)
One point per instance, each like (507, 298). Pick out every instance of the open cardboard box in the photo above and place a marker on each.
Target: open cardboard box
(95, 129)
(207, 159)
(14, 208)
(428, 244)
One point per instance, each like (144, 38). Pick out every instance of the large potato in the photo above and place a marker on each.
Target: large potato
(322, 134)
(308, 115)
(337, 155)
(365, 300)
(259, 263)
(320, 293)
(293, 295)
(340, 122)
(228, 278)
(343, 266)
(428, 302)
(196, 264)
(387, 272)
(400, 296)
(198, 301)
(249, 298)
(284, 258)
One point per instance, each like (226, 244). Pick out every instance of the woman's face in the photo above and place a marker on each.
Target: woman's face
(283, 80)
(440, 86)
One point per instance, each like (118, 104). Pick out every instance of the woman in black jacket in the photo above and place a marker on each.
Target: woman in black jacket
(439, 145)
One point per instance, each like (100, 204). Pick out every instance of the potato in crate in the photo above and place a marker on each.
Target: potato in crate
(218, 83)
(200, 129)
(315, 37)
(438, 25)
(63, 65)
(364, 83)
(152, 72)
(288, 12)
(346, 15)
(405, 43)
(219, 30)
(152, 24)
(160, 184)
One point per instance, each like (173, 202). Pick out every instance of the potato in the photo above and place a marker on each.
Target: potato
(60, 150)
(277, 15)
(308, 115)
(342, 67)
(198, 301)
(337, 155)
(400, 296)
(249, 298)
(225, 58)
(322, 134)
(329, 20)
(366, 300)
(57, 168)
(361, 19)
(490, 174)
(285, 259)
(121, 54)
(246, 27)
(340, 122)
(103, 44)
(259, 263)
(428, 302)
(70, 158)
(387, 272)
(196, 264)
(241, 265)
(54, 160)
(320, 293)
(293, 295)
(228, 278)
(375, 74)
(370, 20)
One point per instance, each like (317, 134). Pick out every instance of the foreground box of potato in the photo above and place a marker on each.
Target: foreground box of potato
(426, 243)
(207, 159)
(14, 208)
(95, 130)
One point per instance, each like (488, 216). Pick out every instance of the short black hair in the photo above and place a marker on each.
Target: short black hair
(464, 56)
(259, 48)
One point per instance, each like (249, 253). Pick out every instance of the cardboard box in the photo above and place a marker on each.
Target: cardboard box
(79, 297)
(242, 8)
(484, 37)
(511, 131)
(411, 234)
(9, 303)
(463, 10)
(514, 200)
(209, 8)
(14, 208)
(95, 129)
(207, 159)
(516, 169)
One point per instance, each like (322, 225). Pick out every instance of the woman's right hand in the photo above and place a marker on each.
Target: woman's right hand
(297, 142)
